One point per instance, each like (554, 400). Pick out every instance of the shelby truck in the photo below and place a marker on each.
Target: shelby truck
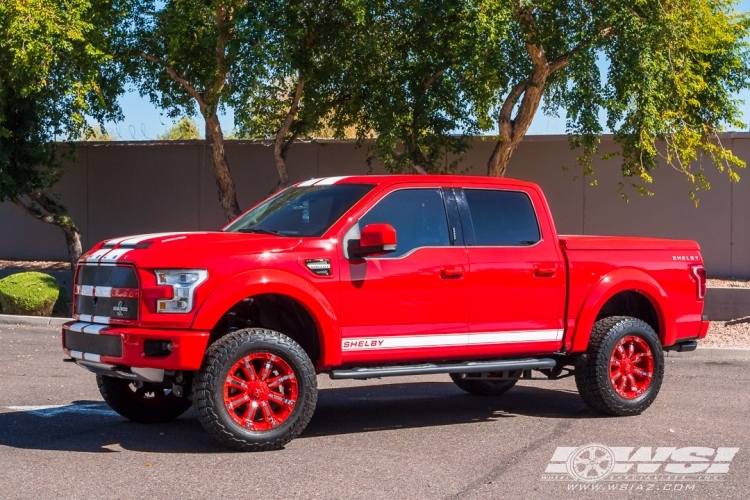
(368, 276)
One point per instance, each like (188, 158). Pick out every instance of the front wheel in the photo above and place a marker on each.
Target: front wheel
(142, 402)
(256, 390)
(622, 370)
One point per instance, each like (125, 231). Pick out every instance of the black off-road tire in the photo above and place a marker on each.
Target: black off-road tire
(592, 368)
(148, 404)
(483, 387)
(208, 392)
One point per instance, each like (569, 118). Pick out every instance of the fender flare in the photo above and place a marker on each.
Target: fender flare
(622, 280)
(262, 281)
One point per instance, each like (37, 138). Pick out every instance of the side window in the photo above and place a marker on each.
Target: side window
(502, 218)
(417, 215)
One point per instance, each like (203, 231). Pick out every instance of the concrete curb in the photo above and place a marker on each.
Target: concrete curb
(12, 319)
(713, 353)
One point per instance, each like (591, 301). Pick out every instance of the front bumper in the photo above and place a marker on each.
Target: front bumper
(121, 346)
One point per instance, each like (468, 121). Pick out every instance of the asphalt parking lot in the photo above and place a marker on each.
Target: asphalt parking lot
(418, 437)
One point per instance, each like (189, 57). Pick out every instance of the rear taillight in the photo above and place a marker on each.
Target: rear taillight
(699, 275)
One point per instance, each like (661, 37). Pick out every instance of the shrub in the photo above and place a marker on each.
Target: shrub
(32, 294)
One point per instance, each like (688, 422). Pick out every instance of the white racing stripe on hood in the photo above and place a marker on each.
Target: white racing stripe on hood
(114, 242)
(143, 237)
(113, 255)
(94, 257)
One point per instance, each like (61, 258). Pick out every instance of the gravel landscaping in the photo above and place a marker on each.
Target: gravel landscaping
(722, 334)
(728, 283)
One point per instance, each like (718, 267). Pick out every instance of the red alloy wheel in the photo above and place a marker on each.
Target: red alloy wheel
(260, 391)
(631, 367)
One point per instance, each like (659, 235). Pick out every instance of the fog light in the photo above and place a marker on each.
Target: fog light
(157, 348)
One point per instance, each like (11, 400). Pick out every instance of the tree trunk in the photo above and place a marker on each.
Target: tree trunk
(46, 209)
(513, 129)
(224, 183)
(280, 146)
(75, 250)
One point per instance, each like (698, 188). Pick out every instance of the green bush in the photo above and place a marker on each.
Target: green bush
(31, 294)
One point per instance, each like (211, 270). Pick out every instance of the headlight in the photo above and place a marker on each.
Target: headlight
(183, 282)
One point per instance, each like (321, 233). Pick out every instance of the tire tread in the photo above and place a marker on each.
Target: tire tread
(204, 399)
(592, 368)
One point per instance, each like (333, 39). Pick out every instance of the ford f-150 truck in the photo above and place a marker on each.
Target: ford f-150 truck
(374, 276)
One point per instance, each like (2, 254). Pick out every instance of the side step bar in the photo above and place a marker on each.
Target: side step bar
(429, 368)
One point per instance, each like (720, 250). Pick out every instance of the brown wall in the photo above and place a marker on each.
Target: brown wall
(118, 188)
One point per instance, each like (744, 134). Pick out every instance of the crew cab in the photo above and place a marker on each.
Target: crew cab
(375, 276)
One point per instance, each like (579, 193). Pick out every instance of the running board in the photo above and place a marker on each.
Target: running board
(430, 368)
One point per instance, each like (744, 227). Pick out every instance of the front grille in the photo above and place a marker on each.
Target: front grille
(113, 276)
(104, 345)
(113, 307)
(107, 292)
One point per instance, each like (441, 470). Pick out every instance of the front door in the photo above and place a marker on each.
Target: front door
(411, 303)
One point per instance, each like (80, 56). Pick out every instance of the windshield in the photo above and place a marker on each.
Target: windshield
(301, 211)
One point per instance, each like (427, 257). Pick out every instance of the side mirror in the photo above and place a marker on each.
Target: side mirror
(374, 239)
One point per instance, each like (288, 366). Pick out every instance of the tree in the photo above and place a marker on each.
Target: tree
(54, 71)
(420, 91)
(672, 69)
(183, 129)
(307, 88)
(185, 54)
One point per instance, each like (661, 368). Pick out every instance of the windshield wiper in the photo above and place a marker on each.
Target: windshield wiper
(259, 230)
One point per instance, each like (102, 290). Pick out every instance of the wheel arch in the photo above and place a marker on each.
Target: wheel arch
(621, 292)
(273, 283)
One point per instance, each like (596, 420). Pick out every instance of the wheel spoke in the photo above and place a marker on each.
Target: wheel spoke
(249, 370)
(239, 400)
(236, 382)
(249, 417)
(267, 367)
(268, 414)
(278, 398)
(279, 380)
(631, 350)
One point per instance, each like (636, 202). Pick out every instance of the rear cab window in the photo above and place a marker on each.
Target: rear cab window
(502, 217)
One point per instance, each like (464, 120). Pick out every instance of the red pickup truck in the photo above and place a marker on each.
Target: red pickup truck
(374, 276)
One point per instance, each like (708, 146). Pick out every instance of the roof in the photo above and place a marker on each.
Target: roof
(416, 178)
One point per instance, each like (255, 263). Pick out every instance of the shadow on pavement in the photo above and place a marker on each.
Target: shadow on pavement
(89, 426)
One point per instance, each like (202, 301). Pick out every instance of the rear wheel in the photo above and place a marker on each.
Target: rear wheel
(141, 401)
(482, 387)
(256, 390)
(622, 370)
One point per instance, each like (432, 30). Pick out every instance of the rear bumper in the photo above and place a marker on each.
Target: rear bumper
(125, 346)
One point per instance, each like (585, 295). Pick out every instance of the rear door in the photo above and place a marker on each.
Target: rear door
(412, 303)
(516, 274)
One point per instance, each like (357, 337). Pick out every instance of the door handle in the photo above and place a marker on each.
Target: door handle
(545, 271)
(451, 272)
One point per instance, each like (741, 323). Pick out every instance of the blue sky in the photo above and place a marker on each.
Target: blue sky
(144, 121)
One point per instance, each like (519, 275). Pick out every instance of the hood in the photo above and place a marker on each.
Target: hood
(186, 249)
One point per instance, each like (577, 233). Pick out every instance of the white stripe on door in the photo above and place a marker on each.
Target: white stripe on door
(448, 340)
